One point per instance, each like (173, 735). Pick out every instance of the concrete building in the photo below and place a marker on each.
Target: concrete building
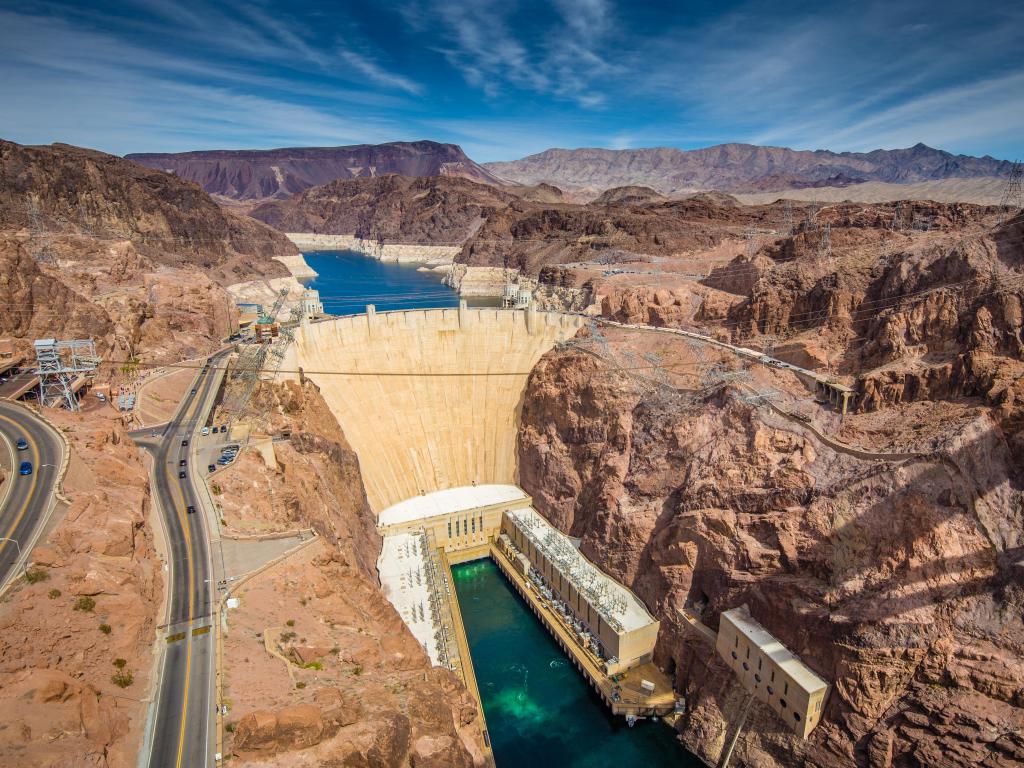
(770, 672)
(266, 329)
(622, 630)
(515, 297)
(456, 519)
(310, 307)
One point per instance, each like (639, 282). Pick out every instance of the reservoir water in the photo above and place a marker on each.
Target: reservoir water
(348, 281)
(540, 711)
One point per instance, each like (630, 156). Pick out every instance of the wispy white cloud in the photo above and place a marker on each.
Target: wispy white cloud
(65, 84)
(372, 70)
(481, 40)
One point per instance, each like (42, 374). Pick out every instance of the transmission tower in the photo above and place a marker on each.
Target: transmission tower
(59, 365)
(825, 244)
(1013, 195)
(753, 241)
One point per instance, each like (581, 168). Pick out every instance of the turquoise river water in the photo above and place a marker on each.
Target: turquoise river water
(540, 711)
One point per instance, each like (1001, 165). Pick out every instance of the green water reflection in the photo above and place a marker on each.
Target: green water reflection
(540, 712)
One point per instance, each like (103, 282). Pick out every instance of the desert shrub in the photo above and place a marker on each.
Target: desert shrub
(35, 575)
(105, 629)
(85, 603)
(54, 594)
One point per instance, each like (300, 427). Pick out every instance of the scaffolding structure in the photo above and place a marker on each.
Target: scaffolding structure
(59, 365)
(252, 363)
(578, 571)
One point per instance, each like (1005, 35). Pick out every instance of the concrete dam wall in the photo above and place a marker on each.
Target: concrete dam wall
(429, 399)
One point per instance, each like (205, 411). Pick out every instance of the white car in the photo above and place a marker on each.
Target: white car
(206, 431)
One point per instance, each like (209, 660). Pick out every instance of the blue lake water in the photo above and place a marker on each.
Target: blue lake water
(540, 711)
(348, 281)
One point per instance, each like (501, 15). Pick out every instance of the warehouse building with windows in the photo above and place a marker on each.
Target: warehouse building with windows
(770, 672)
(614, 620)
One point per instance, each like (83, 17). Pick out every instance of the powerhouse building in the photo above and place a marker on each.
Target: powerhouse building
(767, 669)
(616, 618)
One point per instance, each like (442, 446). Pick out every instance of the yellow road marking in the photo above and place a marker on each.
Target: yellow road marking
(183, 518)
(32, 488)
(200, 631)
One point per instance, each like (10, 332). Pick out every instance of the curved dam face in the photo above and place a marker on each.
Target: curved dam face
(428, 399)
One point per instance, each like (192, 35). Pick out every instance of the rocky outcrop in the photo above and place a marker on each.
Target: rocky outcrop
(739, 167)
(529, 237)
(60, 189)
(899, 582)
(323, 612)
(631, 194)
(388, 209)
(95, 246)
(403, 253)
(281, 173)
(93, 599)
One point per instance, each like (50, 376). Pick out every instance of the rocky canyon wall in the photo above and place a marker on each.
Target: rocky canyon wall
(897, 581)
(349, 685)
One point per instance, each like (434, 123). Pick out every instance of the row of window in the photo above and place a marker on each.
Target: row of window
(466, 526)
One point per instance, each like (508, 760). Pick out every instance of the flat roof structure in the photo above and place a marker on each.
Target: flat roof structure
(616, 605)
(781, 656)
(450, 501)
(404, 578)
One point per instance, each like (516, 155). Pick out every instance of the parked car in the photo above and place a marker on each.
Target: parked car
(212, 468)
(26, 468)
(223, 427)
(22, 444)
(205, 431)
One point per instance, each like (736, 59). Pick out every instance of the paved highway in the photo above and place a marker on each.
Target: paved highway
(183, 724)
(25, 499)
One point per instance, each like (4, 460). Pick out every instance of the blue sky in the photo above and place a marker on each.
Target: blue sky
(505, 78)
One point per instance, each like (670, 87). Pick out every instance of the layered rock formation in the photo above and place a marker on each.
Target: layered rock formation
(899, 581)
(93, 600)
(347, 683)
(95, 246)
(281, 173)
(739, 167)
(389, 209)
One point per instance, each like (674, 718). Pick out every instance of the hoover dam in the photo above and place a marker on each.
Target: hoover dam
(428, 399)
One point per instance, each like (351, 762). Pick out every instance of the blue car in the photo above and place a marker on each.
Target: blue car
(22, 444)
(26, 468)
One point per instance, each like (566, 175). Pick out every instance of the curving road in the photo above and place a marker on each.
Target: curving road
(182, 726)
(25, 500)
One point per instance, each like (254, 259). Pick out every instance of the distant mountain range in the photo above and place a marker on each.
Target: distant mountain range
(740, 168)
(259, 175)
(281, 173)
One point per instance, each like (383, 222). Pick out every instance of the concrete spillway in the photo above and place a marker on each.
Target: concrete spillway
(428, 399)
